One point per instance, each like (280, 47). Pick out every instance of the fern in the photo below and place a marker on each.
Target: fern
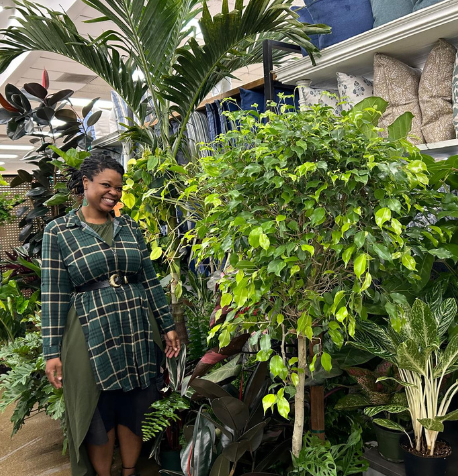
(163, 415)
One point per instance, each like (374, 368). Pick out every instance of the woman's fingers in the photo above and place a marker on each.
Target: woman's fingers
(172, 344)
(54, 372)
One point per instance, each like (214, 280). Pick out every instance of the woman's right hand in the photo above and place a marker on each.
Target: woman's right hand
(54, 372)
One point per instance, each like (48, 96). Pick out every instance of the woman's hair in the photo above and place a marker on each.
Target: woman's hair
(92, 166)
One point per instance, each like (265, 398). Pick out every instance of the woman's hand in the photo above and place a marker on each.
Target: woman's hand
(172, 344)
(54, 372)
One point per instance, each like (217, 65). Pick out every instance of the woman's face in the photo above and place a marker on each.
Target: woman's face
(104, 191)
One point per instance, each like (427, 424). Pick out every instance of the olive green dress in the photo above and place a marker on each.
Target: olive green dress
(81, 393)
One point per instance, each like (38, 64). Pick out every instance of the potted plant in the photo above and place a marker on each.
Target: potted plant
(419, 348)
(370, 392)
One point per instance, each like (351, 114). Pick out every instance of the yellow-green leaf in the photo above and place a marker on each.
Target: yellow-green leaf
(367, 282)
(382, 215)
(264, 241)
(156, 253)
(409, 262)
(360, 265)
(226, 299)
(326, 361)
(268, 401)
(128, 199)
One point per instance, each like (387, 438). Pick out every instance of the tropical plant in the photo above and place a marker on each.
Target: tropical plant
(26, 384)
(156, 39)
(371, 391)
(6, 206)
(417, 348)
(323, 459)
(33, 112)
(313, 213)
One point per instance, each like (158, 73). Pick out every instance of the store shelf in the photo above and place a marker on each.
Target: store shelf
(440, 150)
(382, 466)
(409, 39)
(112, 139)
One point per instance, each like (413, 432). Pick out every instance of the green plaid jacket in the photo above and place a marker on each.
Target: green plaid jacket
(114, 320)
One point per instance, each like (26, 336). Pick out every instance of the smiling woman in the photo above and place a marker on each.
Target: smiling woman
(100, 303)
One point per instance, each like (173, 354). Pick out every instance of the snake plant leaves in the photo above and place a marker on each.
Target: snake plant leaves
(410, 358)
(231, 412)
(423, 325)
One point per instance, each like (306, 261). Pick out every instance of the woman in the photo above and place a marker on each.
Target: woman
(101, 307)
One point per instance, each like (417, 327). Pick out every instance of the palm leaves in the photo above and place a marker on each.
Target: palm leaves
(152, 37)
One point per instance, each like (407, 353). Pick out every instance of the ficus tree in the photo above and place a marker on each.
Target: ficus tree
(156, 39)
(311, 214)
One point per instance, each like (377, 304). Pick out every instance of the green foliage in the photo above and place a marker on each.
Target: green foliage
(315, 214)
(320, 458)
(26, 384)
(163, 415)
(420, 348)
(7, 204)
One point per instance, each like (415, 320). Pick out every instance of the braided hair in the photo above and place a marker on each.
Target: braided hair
(92, 166)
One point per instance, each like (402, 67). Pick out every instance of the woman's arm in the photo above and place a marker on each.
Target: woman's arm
(56, 290)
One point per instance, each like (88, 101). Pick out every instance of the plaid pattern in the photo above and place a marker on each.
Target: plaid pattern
(114, 320)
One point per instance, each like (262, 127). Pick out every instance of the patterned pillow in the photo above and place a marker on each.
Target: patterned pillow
(353, 89)
(398, 83)
(198, 133)
(311, 96)
(435, 93)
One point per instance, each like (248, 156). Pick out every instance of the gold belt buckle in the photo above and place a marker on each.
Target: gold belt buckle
(115, 280)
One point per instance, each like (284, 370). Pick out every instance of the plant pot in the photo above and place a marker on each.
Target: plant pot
(416, 465)
(389, 446)
(171, 460)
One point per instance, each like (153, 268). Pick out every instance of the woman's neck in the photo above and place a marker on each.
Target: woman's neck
(94, 216)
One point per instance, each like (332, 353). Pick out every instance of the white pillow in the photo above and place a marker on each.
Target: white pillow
(353, 89)
(311, 96)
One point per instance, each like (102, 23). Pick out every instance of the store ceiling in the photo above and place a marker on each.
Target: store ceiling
(66, 74)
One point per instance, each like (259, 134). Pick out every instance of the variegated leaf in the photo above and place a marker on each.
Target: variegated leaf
(390, 424)
(423, 324)
(446, 316)
(448, 358)
(371, 411)
(431, 424)
(409, 358)
(400, 382)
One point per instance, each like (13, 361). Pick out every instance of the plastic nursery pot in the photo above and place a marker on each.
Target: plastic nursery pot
(416, 465)
(389, 446)
(171, 460)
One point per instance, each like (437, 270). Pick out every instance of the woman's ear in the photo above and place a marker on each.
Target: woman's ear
(85, 182)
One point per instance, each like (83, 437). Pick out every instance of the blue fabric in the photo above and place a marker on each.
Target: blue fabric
(419, 4)
(214, 120)
(306, 17)
(385, 11)
(290, 101)
(347, 18)
(248, 97)
(230, 106)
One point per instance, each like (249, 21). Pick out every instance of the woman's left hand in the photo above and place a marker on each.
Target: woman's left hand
(172, 344)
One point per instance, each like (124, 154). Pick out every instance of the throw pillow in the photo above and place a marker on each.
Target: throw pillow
(347, 18)
(353, 89)
(385, 11)
(248, 97)
(455, 95)
(435, 93)
(311, 96)
(305, 17)
(398, 83)
(419, 4)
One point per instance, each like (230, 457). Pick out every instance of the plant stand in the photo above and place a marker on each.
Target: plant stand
(382, 467)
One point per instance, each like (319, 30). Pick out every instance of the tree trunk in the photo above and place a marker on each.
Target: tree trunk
(177, 310)
(299, 399)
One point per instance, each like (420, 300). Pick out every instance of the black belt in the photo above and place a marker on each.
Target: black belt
(115, 281)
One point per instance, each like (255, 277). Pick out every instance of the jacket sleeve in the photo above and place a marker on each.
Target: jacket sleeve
(154, 291)
(56, 292)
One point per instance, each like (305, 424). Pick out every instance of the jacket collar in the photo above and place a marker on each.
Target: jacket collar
(73, 220)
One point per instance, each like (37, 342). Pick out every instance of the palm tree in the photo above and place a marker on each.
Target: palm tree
(154, 37)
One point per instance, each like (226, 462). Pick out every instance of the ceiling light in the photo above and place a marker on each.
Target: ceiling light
(2, 163)
(16, 147)
(83, 102)
(8, 156)
(1, 9)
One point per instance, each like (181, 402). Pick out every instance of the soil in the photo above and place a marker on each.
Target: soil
(441, 450)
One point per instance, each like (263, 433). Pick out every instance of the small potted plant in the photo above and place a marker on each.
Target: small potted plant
(419, 348)
(370, 392)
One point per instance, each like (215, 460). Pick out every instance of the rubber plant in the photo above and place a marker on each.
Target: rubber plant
(33, 112)
(425, 356)
(312, 212)
(156, 41)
